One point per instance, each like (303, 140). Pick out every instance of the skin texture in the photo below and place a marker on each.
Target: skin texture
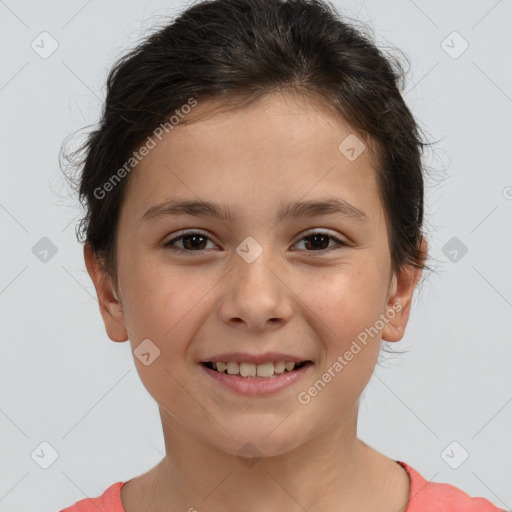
(292, 299)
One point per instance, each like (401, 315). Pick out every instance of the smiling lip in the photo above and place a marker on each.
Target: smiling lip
(254, 386)
(243, 357)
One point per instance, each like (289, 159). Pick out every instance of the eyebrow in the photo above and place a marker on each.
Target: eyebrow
(200, 208)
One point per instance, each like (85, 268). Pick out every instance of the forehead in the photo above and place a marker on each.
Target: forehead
(279, 145)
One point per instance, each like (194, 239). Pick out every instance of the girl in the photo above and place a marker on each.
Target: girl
(254, 212)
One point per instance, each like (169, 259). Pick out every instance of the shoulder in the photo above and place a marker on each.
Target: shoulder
(440, 497)
(109, 501)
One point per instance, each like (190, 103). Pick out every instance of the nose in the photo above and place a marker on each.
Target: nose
(256, 296)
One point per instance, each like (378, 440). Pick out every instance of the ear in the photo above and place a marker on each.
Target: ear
(400, 298)
(110, 308)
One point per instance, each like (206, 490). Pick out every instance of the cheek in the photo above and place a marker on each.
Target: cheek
(161, 311)
(157, 296)
(347, 301)
(347, 309)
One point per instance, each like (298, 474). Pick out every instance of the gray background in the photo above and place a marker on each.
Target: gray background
(65, 383)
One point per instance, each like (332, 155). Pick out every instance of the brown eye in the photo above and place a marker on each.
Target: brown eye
(319, 241)
(191, 242)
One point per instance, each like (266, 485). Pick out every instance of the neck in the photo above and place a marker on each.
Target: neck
(334, 467)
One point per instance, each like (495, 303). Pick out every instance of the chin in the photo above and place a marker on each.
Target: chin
(248, 441)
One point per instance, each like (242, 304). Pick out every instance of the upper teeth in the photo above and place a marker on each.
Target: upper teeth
(252, 370)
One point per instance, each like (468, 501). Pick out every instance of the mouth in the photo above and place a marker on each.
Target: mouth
(256, 374)
(267, 370)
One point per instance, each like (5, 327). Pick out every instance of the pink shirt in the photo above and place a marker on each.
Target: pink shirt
(425, 497)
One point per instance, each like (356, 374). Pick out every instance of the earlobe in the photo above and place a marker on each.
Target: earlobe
(110, 307)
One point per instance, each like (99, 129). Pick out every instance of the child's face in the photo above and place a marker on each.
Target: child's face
(292, 299)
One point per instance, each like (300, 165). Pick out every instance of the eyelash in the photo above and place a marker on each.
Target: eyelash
(171, 244)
